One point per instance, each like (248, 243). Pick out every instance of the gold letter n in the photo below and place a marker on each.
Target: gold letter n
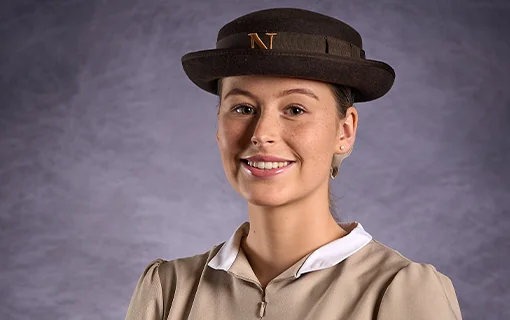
(256, 39)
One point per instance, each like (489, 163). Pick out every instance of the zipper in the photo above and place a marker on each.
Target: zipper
(263, 304)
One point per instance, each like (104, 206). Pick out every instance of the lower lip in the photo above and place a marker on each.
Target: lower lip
(263, 173)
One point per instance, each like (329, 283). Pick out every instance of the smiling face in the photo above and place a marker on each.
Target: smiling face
(289, 118)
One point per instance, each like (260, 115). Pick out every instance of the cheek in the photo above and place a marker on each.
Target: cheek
(314, 142)
(230, 136)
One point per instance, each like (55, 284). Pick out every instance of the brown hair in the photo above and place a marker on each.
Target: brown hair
(344, 97)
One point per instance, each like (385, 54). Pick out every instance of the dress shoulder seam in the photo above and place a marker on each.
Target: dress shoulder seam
(393, 251)
(443, 289)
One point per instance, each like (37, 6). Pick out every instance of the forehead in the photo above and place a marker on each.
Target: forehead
(269, 81)
(268, 84)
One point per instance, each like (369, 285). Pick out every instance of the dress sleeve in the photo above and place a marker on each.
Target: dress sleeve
(419, 291)
(147, 300)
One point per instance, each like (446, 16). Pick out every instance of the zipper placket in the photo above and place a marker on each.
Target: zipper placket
(263, 304)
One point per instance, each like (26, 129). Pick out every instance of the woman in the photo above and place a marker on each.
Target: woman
(286, 80)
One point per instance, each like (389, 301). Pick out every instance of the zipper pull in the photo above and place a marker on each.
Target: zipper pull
(262, 310)
(263, 304)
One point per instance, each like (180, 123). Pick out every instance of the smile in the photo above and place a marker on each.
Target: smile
(262, 169)
(267, 165)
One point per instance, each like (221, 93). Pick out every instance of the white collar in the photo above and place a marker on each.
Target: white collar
(324, 257)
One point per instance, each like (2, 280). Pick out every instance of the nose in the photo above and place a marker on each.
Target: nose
(265, 131)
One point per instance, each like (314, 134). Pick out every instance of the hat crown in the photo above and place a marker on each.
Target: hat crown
(291, 20)
(294, 43)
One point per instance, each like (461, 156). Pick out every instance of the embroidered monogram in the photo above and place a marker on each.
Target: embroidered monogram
(256, 39)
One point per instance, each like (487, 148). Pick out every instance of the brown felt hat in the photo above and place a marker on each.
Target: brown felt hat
(292, 43)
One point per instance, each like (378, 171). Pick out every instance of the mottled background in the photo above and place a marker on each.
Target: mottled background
(109, 158)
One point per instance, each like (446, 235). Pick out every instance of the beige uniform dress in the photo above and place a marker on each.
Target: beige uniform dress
(354, 277)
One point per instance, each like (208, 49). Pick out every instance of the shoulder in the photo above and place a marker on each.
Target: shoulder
(149, 279)
(381, 261)
(164, 275)
(147, 299)
(168, 275)
(409, 290)
(161, 279)
(419, 291)
(159, 271)
(186, 268)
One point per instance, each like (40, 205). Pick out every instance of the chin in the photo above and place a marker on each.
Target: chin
(265, 203)
(267, 199)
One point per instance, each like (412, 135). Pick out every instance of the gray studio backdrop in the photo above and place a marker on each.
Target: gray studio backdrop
(109, 159)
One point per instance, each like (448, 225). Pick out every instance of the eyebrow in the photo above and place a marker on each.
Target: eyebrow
(307, 92)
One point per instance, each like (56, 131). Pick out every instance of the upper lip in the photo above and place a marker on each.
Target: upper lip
(265, 158)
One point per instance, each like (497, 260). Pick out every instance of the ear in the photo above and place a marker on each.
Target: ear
(217, 124)
(347, 131)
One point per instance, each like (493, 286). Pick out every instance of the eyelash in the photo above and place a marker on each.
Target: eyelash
(292, 106)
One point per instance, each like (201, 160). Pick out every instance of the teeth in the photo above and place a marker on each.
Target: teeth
(267, 165)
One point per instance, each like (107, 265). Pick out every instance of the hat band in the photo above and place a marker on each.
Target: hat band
(290, 41)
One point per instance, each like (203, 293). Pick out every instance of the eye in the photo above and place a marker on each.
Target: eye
(295, 110)
(244, 109)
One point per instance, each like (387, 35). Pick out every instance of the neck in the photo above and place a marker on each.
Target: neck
(281, 236)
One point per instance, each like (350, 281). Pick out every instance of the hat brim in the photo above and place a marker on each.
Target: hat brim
(370, 78)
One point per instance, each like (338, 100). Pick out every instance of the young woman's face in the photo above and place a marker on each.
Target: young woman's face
(295, 120)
